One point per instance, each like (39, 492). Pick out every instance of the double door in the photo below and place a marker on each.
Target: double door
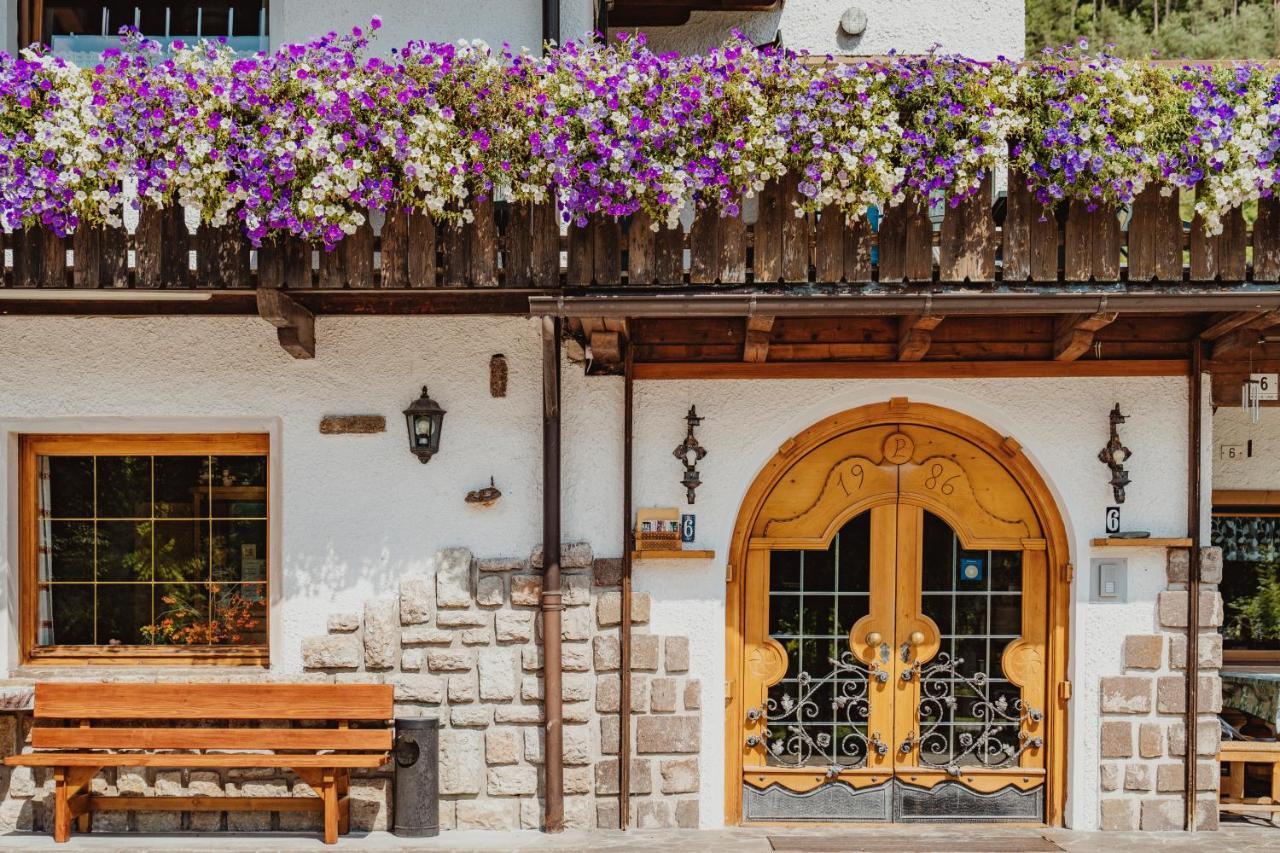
(895, 643)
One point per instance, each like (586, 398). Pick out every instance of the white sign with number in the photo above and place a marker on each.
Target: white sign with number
(1231, 451)
(1268, 385)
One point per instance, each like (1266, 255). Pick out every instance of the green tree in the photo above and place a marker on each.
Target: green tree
(1171, 29)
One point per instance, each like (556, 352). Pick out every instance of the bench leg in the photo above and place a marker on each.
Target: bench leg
(329, 791)
(61, 807)
(1235, 780)
(344, 802)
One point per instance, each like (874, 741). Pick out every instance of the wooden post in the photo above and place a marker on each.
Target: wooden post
(329, 792)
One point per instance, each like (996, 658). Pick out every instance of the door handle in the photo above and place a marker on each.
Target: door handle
(874, 638)
(916, 638)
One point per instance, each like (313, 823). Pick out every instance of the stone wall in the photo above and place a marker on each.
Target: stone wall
(463, 643)
(1143, 732)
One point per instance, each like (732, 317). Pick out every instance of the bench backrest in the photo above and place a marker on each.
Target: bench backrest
(91, 703)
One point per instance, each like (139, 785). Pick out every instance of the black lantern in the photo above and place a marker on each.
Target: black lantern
(424, 418)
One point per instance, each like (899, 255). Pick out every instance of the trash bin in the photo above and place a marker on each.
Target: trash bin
(417, 783)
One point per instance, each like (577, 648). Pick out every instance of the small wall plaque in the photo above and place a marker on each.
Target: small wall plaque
(352, 424)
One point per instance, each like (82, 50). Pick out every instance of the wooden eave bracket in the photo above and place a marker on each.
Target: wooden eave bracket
(1241, 332)
(755, 347)
(1073, 334)
(915, 335)
(607, 338)
(295, 325)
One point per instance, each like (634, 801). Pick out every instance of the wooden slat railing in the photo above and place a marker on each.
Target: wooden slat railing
(524, 246)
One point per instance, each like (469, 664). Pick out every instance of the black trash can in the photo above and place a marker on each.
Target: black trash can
(417, 783)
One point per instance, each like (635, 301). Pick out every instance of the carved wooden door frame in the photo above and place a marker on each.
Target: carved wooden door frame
(1033, 527)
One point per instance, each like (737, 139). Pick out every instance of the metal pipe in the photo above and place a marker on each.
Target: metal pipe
(680, 303)
(1194, 485)
(624, 632)
(552, 605)
(550, 23)
(34, 294)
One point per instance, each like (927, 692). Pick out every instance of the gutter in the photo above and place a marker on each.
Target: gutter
(552, 604)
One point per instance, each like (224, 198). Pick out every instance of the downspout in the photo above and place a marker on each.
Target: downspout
(550, 23)
(624, 643)
(552, 605)
(1190, 759)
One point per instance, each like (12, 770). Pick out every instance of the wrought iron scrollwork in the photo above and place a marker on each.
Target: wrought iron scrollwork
(1003, 736)
(796, 746)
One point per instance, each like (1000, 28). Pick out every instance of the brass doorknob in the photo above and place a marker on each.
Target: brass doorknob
(916, 638)
(874, 638)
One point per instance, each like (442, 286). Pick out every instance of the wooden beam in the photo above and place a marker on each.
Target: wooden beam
(908, 370)
(1244, 338)
(1074, 333)
(755, 347)
(607, 347)
(915, 336)
(295, 325)
(1222, 324)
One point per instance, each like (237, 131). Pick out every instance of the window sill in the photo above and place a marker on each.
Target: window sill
(62, 657)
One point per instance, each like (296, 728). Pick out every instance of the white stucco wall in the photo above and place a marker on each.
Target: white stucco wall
(1232, 426)
(983, 29)
(356, 513)
(518, 22)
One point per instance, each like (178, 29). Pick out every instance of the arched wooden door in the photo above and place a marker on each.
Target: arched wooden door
(895, 631)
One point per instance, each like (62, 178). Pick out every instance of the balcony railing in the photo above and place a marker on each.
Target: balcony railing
(1016, 241)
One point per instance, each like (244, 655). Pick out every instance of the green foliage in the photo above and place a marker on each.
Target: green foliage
(1190, 29)
(1257, 617)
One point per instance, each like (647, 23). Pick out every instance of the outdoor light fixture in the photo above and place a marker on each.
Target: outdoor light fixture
(1114, 455)
(690, 453)
(424, 418)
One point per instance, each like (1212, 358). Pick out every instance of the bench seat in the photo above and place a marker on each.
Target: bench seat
(69, 721)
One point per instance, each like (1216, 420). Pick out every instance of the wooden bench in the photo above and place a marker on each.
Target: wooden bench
(1234, 755)
(82, 721)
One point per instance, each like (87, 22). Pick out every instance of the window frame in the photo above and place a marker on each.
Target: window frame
(32, 446)
(1259, 502)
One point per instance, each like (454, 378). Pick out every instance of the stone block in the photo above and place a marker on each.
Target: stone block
(1172, 608)
(578, 780)
(168, 783)
(453, 578)
(607, 653)
(662, 695)
(1161, 815)
(1207, 814)
(19, 816)
(499, 564)
(477, 637)
(1117, 739)
(575, 590)
(461, 761)
(152, 822)
(654, 814)
(1137, 776)
(512, 781)
(417, 600)
(644, 652)
(577, 687)
(577, 712)
(464, 619)
(517, 714)
(1209, 645)
(470, 716)
(381, 634)
(370, 804)
(687, 814)
(609, 735)
(427, 635)
(1151, 740)
(531, 658)
(575, 624)
(526, 590)
(1211, 564)
(607, 571)
(487, 814)
(1119, 814)
(575, 657)
(129, 780)
(419, 688)
(530, 813)
(679, 775)
(607, 695)
(573, 555)
(1143, 651)
(607, 811)
(204, 783)
(1126, 694)
(578, 813)
(332, 651)
(451, 660)
(497, 675)
(1170, 777)
(1109, 775)
(343, 623)
(1208, 738)
(513, 626)
(692, 694)
(609, 608)
(412, 660)
(1177, 565)
(607, 776)
(668, 734)
(489, 591)
(675, 654)
(462, 688)
(1171, 697)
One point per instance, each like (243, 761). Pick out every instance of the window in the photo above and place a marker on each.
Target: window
(146, 549)
(1246, 526)
(80, 31)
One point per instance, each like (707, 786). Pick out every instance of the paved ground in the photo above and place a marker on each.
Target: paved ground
(1233, 838)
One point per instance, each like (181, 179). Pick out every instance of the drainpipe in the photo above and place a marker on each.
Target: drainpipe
(551, 600)
(624, 643)
(1195, 402)
(550, 23)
